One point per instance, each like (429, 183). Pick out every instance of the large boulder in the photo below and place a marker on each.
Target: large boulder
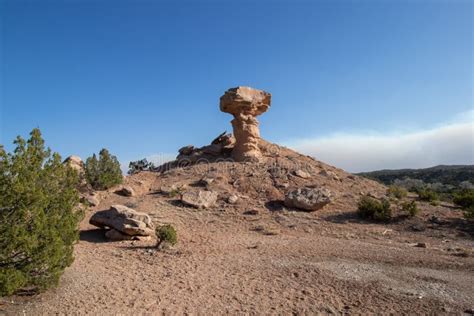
(309, 199)
(199, 199)
(125, 220)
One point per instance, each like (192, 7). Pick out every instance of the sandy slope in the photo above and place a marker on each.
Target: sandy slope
(304, 263)
(278, 261)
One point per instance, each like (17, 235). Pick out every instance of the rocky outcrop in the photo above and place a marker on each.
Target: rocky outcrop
(125, 190)
(245, 104)
(199, 198)
(124, 220)
(220, 148)
(76, 163)
(309, 199)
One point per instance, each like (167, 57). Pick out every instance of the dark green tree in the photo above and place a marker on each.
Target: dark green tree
(103, 173)
(38, 216)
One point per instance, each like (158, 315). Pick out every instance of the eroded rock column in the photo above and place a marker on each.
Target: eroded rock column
(245, 104)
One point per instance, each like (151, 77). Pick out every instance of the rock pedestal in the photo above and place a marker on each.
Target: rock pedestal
(245, 104)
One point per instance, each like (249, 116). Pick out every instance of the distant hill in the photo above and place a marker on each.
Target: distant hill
(452, 175)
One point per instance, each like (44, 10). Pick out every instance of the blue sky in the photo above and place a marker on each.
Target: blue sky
(144, 78)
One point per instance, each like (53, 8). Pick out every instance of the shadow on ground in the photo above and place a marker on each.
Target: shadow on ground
(92, 235)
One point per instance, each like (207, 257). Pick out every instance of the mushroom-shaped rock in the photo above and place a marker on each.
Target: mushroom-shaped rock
(245, 104)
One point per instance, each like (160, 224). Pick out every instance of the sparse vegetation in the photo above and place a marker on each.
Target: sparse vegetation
(166, 234)
(397, 191)
(454, 176)
(465, 199)
(103, 173)
(38, 218)
(427, 195)
(140, 165)
(177, 192)
(410, 208)
(370, 208)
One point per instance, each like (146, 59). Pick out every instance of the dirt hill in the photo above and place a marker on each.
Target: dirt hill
(253, 255)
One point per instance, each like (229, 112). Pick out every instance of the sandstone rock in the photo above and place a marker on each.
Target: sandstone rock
(226, 140)
(310, 199)
(125, 220)
(329, 174)
(115, 235)
(302, 174)
(125, 191)
(245, 104)
(213, 149)
(75, 162)
(251, 212)
(92, 200)
(232, 199)
(199, 199)
(186, 150)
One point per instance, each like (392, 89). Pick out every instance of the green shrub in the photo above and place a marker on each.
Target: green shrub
(397, 191)
(103, 173)
(469, 212)
(370, 208)
(411, 208)
(167, 234)
(38, 216)
(465, 199)
(427, 195)
(140, 165)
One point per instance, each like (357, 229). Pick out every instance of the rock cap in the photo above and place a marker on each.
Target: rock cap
(245, 100)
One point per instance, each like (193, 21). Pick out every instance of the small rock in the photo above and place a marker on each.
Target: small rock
(310, 199)
(436, 220)
(233, 199)
(421, 245)
(92, 200)
(418, 227)
(302, 174)
(199, 199)
(251, 212)
(125, 191)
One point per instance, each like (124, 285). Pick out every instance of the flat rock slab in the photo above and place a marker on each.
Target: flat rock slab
(125, 220)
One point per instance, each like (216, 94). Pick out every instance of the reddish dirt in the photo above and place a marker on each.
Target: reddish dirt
(276, 261)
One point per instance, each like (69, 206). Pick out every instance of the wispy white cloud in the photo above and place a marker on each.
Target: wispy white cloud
(449, 143)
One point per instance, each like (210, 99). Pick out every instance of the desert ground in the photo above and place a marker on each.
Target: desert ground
(257, 256)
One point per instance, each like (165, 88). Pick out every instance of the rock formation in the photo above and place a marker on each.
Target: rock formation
(124, 220)
(245, 104)
(76, 163)
(309, 199)
(199, 199)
